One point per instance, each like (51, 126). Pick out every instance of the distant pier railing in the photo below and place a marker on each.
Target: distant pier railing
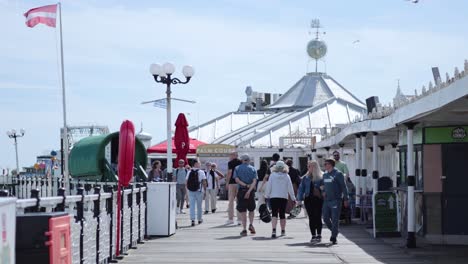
(48, 186)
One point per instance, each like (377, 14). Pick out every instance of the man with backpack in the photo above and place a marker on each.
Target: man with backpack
(196, 185)
(181, 189)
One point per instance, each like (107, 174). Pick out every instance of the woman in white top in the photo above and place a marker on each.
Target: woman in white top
(278, 188)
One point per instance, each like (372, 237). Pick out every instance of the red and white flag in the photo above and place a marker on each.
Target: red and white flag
(44, 14)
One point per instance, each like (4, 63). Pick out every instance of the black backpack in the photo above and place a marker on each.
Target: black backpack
(193, 184)
(265, 215)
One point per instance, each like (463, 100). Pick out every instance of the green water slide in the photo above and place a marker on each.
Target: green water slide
(95, 159)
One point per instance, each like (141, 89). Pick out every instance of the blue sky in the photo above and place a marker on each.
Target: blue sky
(109, 46)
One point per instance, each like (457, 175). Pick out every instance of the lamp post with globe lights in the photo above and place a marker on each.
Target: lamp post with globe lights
(14, 135)
(163, 74)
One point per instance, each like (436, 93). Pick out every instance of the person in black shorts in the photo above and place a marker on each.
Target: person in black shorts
(245, 176)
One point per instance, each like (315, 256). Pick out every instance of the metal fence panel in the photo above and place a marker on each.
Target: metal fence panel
(93, 230)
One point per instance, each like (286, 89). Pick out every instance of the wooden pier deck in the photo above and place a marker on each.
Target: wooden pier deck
(213, 242)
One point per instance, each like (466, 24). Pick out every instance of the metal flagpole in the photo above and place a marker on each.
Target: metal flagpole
(65, 130)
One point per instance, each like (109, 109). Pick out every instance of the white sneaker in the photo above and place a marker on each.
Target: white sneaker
(229, 222)
(181, 212)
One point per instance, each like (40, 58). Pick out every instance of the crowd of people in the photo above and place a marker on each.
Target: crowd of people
(277, 186)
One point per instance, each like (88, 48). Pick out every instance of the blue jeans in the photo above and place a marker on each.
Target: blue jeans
(195, 200)
(331, 215)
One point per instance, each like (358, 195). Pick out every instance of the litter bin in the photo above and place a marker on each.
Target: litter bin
(43, 238)
(161, 208)
(7, 230)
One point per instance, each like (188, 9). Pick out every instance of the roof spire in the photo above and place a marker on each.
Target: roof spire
(316, 48)
(315, 23)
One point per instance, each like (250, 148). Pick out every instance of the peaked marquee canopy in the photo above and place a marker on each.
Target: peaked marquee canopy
(313, 103)
(313, 89)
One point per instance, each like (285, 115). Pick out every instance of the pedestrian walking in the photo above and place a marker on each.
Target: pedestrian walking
(263, 173)
(334, 193)
(212, 180)
(351, 196)
(340, 165)
(274, 158)
(196, 185)
(187, 199)
(181, 189)
(343, 168)
(309, 192)
(155, 174)
(246, 178)
(232, 187)
(278, 188)
(295, 176)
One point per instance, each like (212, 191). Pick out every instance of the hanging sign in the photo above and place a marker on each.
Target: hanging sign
(215, 150)
(440, 135)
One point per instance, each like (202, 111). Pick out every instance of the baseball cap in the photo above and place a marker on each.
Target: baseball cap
(245, 157)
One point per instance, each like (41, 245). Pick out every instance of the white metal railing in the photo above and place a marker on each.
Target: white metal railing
(94, 217)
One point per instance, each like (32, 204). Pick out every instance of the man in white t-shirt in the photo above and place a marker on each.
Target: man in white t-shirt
(196, 185)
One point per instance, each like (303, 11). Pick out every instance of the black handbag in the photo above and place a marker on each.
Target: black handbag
(265, 214)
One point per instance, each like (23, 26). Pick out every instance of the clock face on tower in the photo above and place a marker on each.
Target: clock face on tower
(316, 49)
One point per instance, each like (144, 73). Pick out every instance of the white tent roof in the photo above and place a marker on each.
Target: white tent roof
(313, 89)
(315, 101)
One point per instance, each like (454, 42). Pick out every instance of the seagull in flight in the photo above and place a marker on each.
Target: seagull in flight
(356, 41)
